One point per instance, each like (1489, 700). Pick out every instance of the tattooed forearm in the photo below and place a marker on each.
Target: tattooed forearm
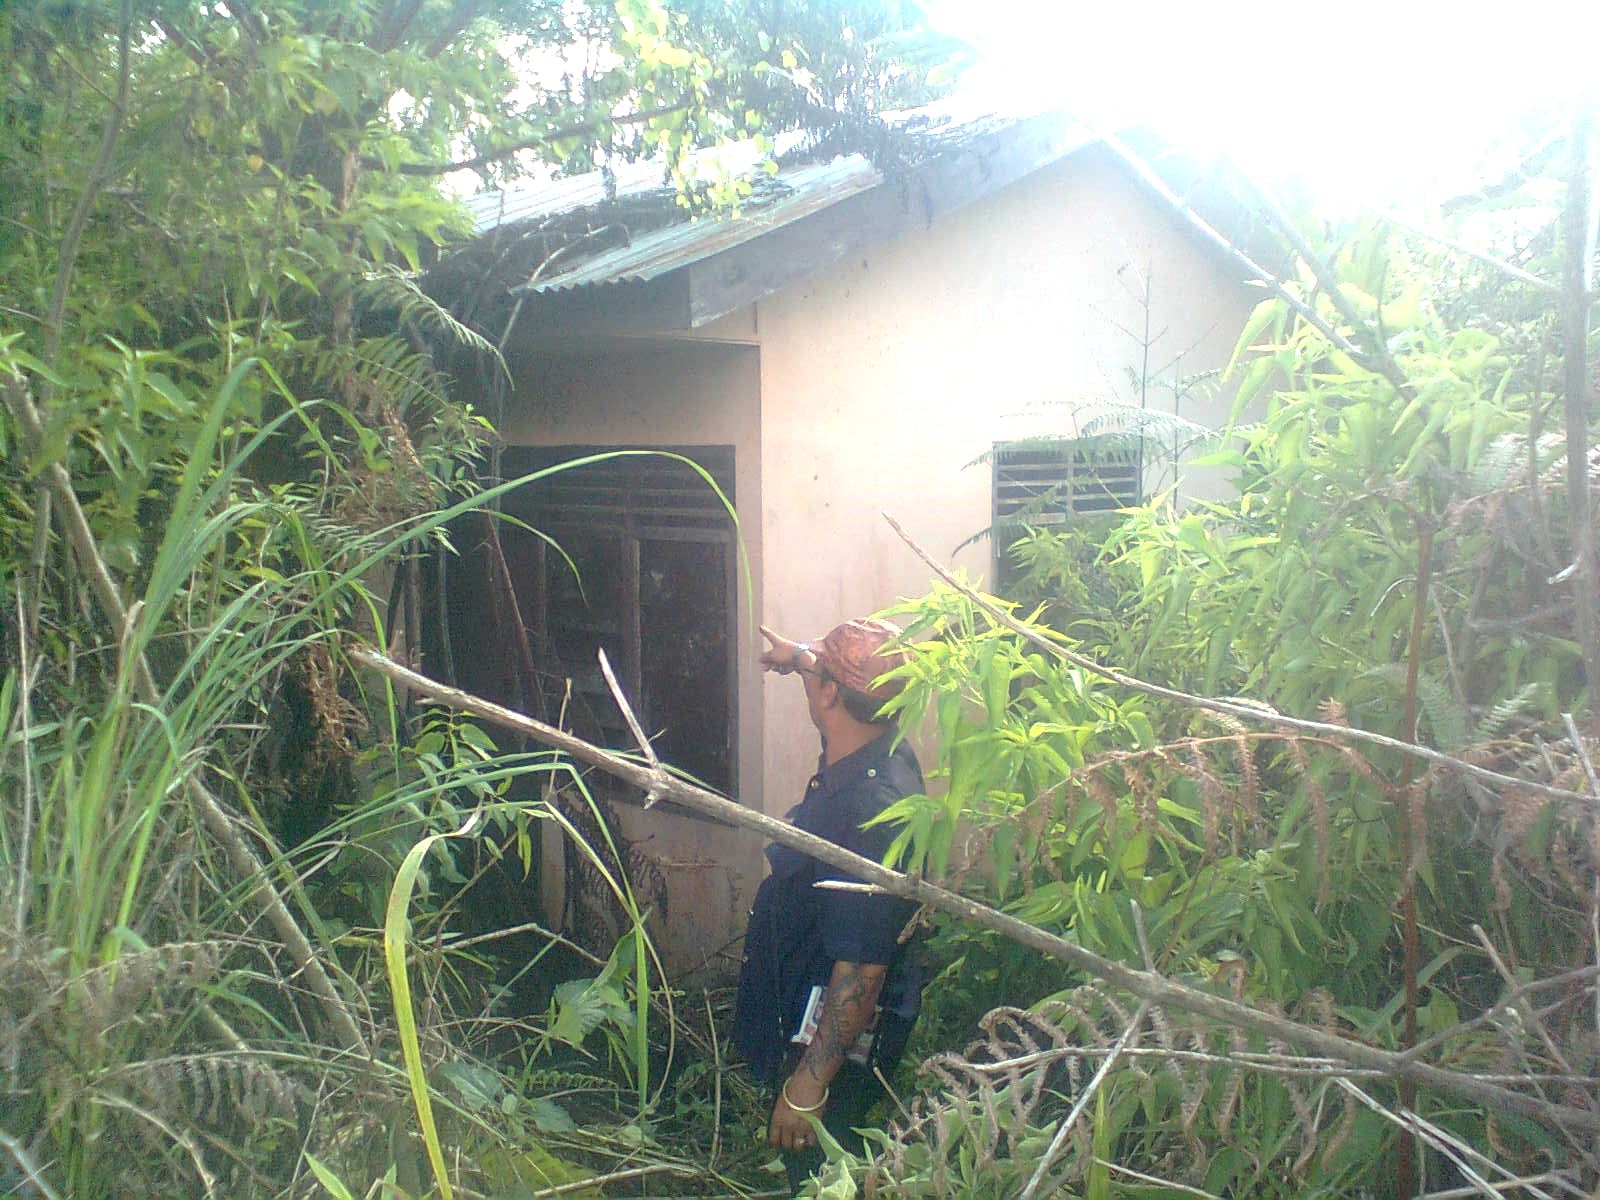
(852, 993)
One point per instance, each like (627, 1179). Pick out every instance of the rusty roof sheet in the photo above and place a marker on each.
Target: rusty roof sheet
(796, 193)
(798, 190)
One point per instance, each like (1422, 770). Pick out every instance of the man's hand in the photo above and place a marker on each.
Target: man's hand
(780, 653)
(853, 990)
(790, 1130)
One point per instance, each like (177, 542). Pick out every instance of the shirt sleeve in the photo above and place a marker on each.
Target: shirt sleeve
(861, 927)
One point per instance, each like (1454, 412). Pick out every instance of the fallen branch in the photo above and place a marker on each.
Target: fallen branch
(1147, 985)
(1260, 714)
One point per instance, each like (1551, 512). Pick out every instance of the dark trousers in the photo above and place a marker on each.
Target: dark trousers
(851, 1095)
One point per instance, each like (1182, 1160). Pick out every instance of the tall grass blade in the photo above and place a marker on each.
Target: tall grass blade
(395, 929)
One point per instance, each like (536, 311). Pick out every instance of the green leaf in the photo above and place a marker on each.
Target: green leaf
(1259, 318)
(479, 1087)
(331, 1183)
(549, 1116)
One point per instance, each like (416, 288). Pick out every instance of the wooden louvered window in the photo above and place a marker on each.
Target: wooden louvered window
(1039, 483)
(655, 556)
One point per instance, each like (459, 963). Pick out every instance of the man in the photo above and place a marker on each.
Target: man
(823, 1048)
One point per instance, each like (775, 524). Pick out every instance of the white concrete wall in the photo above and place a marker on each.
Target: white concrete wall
(885, 376)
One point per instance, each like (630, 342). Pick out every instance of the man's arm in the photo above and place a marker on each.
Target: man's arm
(852, 995)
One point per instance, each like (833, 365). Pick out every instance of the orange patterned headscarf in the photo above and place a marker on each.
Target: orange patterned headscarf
(853, 655)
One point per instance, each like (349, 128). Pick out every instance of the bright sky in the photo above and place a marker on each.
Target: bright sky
(1367, 102)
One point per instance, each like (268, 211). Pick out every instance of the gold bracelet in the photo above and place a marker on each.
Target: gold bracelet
(810, 1109)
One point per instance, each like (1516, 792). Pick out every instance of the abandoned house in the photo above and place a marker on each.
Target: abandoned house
(857, 338)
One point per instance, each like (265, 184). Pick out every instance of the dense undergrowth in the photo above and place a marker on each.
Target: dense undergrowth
(1392, 560)
(234, 958)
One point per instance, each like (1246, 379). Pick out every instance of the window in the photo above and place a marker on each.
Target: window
(1043, 482)
(654, 552)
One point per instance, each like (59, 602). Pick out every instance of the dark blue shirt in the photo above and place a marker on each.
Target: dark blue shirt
(797, 932)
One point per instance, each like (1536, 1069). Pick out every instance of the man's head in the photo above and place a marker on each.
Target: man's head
(850, 657)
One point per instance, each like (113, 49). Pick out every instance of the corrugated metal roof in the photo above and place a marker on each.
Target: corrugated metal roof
(797, 191)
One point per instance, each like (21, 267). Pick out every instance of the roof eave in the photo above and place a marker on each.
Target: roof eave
(701, 290)
(729, 280)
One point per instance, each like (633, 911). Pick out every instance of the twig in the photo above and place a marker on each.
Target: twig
(1410, 820)
(526, 927)
(716, 1084)
(1594, 932)
(25, 677)
(1409, 1122)
(1520, 1002)
(1583, 753)
(1465, 1151)
(72, 239)
(645, 748)
(30, 1172)
(392, 24)
(478, 161)
(1378, 354)
(248, 20)
(1260, 1063)
(1156, 988)
(1260, 714)
(1156, 1181)
(1450, 243)
(1525, 1181)
(1594, 908)
(1054, 1150)
(460, 17)
(579, 1185)
(1144, 937)
(1489, 1014)
(850, 885)
(1256, 272)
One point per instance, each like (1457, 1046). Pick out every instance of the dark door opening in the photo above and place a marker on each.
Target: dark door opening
(634, 554)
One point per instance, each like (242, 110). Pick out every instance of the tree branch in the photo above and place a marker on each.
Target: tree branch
(1377, 356)
(196, 53)
(479, 161)
(1259, 714)
(249, 20)
(72, 240)
(1450, 243)
(1147, 985)
(460, 17)
(393, 23)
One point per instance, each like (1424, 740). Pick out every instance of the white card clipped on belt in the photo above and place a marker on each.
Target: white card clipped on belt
(860, 1053)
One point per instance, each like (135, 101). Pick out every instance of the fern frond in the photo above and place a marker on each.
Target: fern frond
(391, 285)
(1508, 710)
(1446, 718)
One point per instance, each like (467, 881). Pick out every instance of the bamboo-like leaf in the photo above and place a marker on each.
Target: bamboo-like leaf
(396, 928)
